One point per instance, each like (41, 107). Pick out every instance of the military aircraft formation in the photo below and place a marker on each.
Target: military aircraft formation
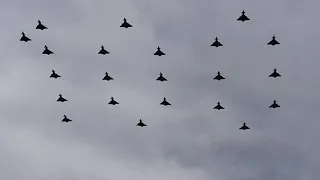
(161, 78)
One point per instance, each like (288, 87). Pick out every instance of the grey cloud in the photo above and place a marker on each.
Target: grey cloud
(190, 134)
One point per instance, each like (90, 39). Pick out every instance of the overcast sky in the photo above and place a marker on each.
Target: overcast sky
(186, 141)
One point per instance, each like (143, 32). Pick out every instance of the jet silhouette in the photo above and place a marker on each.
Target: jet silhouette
(161, 78)
(273, 42)
(274, 105)
(159, 52)
(218, 106)
(141, 124)
(165, 102)
(65, 119)
(40, 26)
(274, 74)
(125, 24)
(103, 51)
(54, 75)
(243, 17)
(24, 38)
(107, 77)
(61, 99)
(218, 77)
(47, 51)
(244, 127)
(216, 43)
(113, 102)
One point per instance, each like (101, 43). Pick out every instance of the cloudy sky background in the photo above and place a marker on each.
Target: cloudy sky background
(188, 140)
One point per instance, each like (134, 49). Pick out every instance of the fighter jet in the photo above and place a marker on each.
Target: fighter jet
(125, 24)
(65, 119)
(218, 106)
(103, 51)
(165, 102)
(47, 51)
(161, 78)
(40, 26)
(61, 99)
(274, 105)
(159, 52)
(273, 42)
(54, 75)
(24, 38)
(274, 74)
(243, 17)
(216, 43)
(244, 127)
(113, 102)
(218, 77)
(141, 124)
(107, 77)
